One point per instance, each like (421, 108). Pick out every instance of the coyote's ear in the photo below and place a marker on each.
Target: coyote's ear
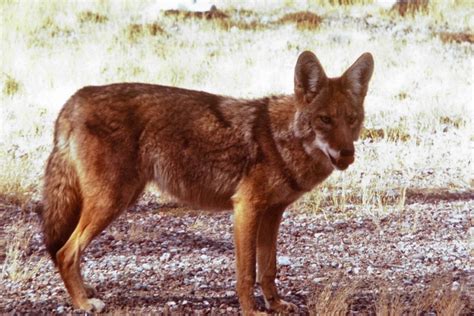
(356, 78)
(309, 77)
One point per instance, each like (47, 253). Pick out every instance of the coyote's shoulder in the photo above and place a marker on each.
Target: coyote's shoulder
(209, 151)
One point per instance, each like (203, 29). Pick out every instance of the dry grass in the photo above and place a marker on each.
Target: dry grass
(134, 32)
(304, 20)
(456, 37)
(340, 296)
(411, 7)
(91, 17)
(10, 86)
(17, 265)
(212, 14)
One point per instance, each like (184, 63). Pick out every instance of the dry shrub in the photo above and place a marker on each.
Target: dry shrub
(410, 7)
(349, 2)
(304, 20)
(343, 296)
(136, 31)
(460, 37)
(212, 14)
(389, 304)
(154, 29)
(456, 122)
(335, 298)
(391, 134)
(52, 29)
(91, 17)
(11, 86)
(221, 19)
(228, 24)
(438, 298)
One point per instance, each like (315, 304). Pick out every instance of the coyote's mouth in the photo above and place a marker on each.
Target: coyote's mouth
(342, 163)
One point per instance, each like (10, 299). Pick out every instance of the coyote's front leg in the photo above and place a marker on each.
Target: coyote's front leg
(247, 215)
(266, 258)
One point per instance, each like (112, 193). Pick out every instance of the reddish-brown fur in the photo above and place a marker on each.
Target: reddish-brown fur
(209, 151)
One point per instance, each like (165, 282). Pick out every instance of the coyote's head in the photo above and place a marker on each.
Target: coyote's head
(330, 111)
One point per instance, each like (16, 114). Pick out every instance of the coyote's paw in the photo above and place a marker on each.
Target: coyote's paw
(90, 291)
(93, 305)
(254, 313)
(283, 307)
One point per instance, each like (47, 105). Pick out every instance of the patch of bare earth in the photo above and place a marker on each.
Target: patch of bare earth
(161, 258)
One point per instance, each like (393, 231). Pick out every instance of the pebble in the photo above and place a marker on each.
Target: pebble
(455, 286)
(319, 280)
(165, 256)
(284, 261)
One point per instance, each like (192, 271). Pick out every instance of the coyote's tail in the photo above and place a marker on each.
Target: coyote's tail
(62, 200)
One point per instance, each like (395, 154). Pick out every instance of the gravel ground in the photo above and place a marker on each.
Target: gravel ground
(162, 258)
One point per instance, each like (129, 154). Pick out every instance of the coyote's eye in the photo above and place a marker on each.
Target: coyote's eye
(351, 120)
(325, 119)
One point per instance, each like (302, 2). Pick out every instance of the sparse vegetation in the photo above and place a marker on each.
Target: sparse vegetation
(411, 7)
(137, 31)
(91, 17)
(380, 298)
(418, 135)
(10, 86)
(304, 20)
(16, 264)
(457, 37)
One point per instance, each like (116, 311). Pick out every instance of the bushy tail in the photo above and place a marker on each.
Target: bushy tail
(62, 200)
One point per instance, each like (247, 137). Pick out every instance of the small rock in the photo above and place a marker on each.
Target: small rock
(319, 280)
(284, 261)
(455, 286)
(165, 256)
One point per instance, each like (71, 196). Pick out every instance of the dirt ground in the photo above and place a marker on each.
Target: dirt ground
(162, 258)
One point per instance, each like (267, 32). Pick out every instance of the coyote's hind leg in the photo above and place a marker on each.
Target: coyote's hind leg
(97, 213)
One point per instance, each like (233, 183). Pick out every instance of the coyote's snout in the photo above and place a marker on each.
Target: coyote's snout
(209, 151)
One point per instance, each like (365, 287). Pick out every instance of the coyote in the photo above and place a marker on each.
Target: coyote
(208, 151)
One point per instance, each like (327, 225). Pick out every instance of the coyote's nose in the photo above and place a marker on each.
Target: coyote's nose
(347, 152)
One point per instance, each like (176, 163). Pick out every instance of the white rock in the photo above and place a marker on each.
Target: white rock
(284, 261)
(319, 280)
(165, 256)
(455, 286)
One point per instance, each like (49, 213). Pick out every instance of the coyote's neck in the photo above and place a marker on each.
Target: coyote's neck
(307, 170)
